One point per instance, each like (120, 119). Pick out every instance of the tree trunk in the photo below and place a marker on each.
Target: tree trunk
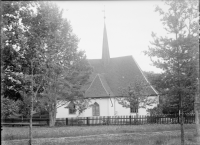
(182, 129)
(182, 120)
(31, 123)
(31, 107)
(52, 115)
(197, 116)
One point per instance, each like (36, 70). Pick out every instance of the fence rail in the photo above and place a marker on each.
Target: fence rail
(24, 121)
(126, 120)
(109, 120)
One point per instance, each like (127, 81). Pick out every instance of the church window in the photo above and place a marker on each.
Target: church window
(134, 108)
(72, 108)
(95, 109)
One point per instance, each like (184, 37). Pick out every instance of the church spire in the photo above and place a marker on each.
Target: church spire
(105, 48)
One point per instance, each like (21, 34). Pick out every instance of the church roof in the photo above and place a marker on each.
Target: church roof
(98, 87)
(112, 74)
(118, 74)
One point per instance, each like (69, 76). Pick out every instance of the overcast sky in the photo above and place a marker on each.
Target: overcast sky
(129, 25)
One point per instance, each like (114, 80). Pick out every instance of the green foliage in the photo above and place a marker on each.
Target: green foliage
(41, 56)
(65, 69)
(156, 80)
(136, 95)
(9, 107)
(10, 42)
(158, 110)
(177, 54)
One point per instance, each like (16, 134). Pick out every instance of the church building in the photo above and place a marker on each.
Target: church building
(108, 76)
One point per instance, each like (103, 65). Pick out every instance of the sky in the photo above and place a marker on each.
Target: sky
(129, 26)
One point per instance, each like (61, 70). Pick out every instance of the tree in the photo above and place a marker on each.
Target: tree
(136, 95)
(9, 107)
(44, 56)
(166, 105)
(65, 69)
(197, 116)
(177, 54)
(47, 54)
(197, 108)
(12, 49)
(11, 32)
(157, 81)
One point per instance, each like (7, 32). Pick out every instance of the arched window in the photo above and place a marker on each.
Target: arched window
(72, 108)
(95, 109)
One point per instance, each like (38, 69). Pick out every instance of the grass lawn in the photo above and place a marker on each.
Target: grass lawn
(11, 133)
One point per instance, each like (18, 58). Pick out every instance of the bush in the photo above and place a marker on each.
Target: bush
(60, 123)
(8, 107)
(155, 111)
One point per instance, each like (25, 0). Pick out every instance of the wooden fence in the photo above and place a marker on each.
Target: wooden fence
(126, 120)
(24, 121)
(107, 120)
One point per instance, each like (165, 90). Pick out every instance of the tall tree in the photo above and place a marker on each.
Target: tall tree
(177, 53)
(41, 52)
(12, 50)
(197, 116)
(11, 32)
(64, 68)
(197, 106)
(51, 67)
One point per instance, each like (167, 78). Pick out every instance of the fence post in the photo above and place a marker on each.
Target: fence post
(48, 121)
(178, 118)
(88, 123)
(66, 121)
(130, 119)
(193, 118)
(184, 118)
(108, 120)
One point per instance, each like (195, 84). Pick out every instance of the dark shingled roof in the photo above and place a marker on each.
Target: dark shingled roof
(96, 88)
(112, 74)
(119, 73)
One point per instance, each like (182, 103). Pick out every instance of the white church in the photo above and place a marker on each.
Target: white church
(109, 74)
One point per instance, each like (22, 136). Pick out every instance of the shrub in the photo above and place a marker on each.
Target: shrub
(60, 123)
(155, 110)
(8, 107)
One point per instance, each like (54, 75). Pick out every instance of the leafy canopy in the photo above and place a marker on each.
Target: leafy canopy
(177, 53)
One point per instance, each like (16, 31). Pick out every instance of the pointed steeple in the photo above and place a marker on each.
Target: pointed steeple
(105, 48)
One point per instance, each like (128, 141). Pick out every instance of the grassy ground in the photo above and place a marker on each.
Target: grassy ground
(122, 135)
(10, 133)
(125, 140)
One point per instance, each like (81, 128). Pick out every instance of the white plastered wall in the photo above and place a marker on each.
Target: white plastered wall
(103, 105)
(108, 107)
(120, 110)
(63, 112)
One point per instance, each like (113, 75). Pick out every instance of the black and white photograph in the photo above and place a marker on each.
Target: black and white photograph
(105, 72)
